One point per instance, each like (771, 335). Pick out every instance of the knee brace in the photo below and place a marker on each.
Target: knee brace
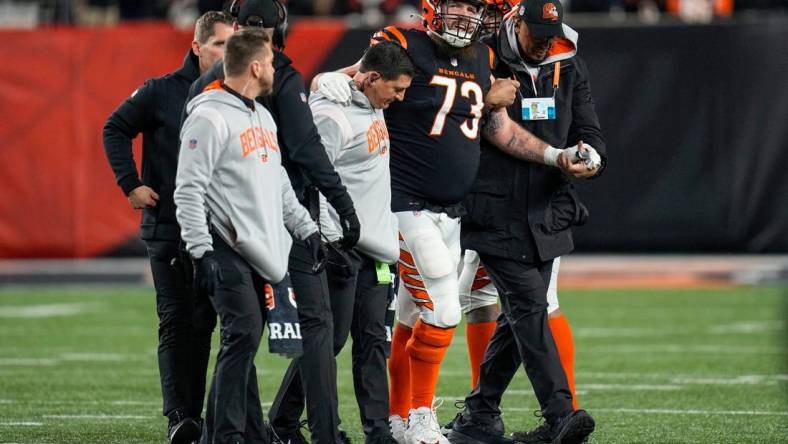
(429, 343)
(432, 256)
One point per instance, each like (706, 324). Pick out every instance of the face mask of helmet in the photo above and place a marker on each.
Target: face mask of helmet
(458, 30)
(496, 10)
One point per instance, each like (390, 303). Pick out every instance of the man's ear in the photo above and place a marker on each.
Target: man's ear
(373, 75)
(196, 47)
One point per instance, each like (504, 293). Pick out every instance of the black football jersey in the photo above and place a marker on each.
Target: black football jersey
(435, 130)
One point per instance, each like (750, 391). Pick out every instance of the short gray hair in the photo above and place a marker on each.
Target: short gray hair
(203, 30)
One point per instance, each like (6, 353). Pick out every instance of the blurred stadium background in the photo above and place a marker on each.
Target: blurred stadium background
(678, 290)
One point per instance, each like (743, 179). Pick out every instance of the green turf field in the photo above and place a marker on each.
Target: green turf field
(683, 366)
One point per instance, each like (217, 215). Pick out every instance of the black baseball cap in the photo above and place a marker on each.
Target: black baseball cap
(262, 13)
(543, 17)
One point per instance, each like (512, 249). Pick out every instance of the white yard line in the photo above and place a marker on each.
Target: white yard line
(623, 332)
(672, 411)
(681, 348)
(20, 424)
(99, 357)
(747, 327)
(143, 403)
(73, 357)
(629, 387)
(44, 310)
(697, 412)
(87, 416)
(27, 362)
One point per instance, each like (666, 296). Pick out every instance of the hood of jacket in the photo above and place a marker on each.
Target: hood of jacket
(509, 52)
(216, 94)
(359, 98)
(281, 60)
(190, 70)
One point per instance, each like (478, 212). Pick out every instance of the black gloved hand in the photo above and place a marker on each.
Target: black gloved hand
(207, 274)
(339, 262)
(318, 251)
(351, 230)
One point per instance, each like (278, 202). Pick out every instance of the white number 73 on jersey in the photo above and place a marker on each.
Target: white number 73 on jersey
(470, 128)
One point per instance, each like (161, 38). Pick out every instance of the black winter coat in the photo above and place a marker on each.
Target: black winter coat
(523, 210)
(155, 111)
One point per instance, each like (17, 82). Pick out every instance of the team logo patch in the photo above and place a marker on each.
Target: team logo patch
(291, 297)
(193, 144)
(453, 62)
(270, 302)
(303, 97)
(550, 12)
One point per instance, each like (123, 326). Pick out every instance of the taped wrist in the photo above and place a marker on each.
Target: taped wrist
(551, 156)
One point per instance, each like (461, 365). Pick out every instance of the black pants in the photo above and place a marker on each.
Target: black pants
(314, 374)
(522, 335)
(185, 327)
(234, 413)
(359, 304)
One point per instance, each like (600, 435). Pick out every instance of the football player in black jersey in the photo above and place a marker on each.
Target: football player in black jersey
(435, 134)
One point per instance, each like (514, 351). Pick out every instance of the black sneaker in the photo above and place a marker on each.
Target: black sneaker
(573, 428)
(273, 438)
(542, 434)
(467, 431)
(380, 438)
(295, 437)
(182, 430)
(445, 429)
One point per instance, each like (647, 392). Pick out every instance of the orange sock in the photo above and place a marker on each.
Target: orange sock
(426, 348)
(478, 337)
(562, 334)
(399, 372)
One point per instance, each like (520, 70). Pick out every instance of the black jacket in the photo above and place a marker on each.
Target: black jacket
(523, 210)
(155, 111)
(303, 154)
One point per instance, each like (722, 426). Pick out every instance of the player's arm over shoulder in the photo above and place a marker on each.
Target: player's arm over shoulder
(332, 124)
(393, 34)
(387, 34)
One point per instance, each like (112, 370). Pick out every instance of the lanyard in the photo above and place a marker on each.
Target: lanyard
(556, 78)
(556, 75)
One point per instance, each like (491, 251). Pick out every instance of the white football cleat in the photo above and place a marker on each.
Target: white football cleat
(397, 426)
(423, 428)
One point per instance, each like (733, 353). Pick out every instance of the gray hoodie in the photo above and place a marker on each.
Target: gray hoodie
(231, 177)
(357, 142)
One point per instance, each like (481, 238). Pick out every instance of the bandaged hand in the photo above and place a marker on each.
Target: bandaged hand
(584, 153)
